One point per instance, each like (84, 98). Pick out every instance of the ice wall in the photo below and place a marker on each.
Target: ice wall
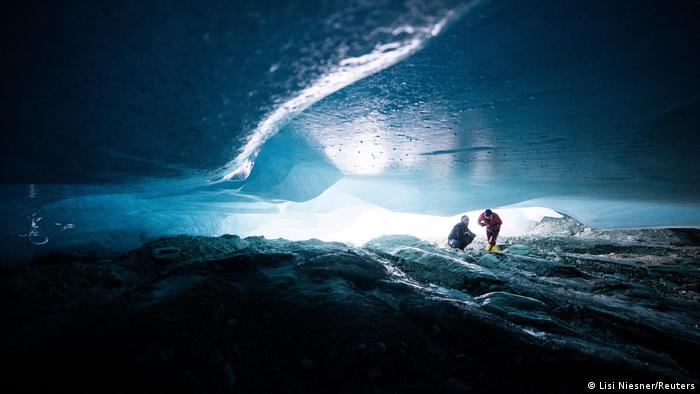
(127, 119)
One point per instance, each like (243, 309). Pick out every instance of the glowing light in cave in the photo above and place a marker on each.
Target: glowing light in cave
(337, 216)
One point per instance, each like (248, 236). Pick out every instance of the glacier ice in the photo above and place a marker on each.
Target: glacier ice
(489, 110)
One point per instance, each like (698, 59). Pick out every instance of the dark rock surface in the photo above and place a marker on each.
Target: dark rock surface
(196, 314)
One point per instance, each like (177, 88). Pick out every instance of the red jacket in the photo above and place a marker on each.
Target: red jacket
(494, 222)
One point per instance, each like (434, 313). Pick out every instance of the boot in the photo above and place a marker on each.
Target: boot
(494, 248)
(488, 247)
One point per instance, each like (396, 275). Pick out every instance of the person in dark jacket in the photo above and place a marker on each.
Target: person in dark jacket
(493, 224)
(460, 236)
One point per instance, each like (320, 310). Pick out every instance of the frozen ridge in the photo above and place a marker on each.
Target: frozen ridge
(409, 39)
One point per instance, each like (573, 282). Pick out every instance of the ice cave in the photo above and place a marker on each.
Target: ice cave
(258, 196)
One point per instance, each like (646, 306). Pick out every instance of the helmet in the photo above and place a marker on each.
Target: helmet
(488, 212)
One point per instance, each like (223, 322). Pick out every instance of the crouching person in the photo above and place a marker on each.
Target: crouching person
(460, 236)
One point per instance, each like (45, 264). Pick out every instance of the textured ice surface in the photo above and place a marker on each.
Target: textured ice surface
(188, 313)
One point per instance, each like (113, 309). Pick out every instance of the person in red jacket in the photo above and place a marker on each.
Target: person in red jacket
(493, 225)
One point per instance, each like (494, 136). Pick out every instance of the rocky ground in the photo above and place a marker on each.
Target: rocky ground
(559, 308)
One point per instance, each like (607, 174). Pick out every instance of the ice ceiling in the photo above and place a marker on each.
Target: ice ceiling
(193, 115)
